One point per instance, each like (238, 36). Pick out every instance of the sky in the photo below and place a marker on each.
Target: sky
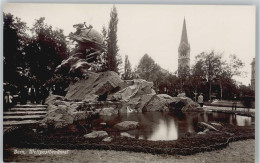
(156, 29)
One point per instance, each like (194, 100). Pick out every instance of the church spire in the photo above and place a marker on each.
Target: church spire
(184, 37)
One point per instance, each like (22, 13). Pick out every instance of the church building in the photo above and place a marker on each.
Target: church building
(184, 53)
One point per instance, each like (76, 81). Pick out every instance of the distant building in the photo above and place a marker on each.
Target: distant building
(184, 53)
(253, 74)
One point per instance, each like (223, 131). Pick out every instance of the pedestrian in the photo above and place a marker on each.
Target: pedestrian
(38, 95)
(53, 90)
(32, 93)
(24, 95)
(200, 100)
(44, 94)
(8, 101)
(234, 104)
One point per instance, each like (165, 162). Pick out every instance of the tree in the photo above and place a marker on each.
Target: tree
(113, 59)
(233, 67)
(127, 69)
(210, 64)
(147, 69)
(14, 41)
(228, 70)
(46, 50)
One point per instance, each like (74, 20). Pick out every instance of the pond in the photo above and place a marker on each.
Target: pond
(171, 126)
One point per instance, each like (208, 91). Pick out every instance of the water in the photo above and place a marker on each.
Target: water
(169, 126)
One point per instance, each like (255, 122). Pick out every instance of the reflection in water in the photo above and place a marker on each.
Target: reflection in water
(164, 131)
(170, 126)
(243, 120)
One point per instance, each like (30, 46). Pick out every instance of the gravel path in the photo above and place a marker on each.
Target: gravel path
(227, 108)
(236, 152)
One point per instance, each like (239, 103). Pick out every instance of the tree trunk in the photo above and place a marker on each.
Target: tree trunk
(221, 90)
(210, 90)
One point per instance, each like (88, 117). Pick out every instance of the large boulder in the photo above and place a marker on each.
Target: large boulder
(108, 111)
(203, 126)
(96, 85)
(159, 103)
(127, 125)
(183, 104)
(63, 114)
(137, 88)
(53, 98)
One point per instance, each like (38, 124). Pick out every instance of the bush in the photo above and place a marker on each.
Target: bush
(248, 101)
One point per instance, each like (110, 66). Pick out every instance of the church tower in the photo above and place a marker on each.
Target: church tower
(184, 53)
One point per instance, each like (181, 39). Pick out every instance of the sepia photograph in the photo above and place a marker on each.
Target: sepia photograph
(128, 83)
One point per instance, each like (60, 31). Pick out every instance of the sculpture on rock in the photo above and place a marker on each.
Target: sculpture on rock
(87, 54)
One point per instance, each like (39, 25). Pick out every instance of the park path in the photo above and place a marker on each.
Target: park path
(222, 108)
(23, 114)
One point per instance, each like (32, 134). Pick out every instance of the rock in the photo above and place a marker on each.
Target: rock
(203, 126)
(125, 134)
(183, 104)
(96, 134)
(127, 125)
(75, 106)
(158, 103)
(53, 98)
(216, 124)
(201, 133)
(139, 87)
(34, 130)
(181, 95)
(107, 139)
(94, 86)
(206, 130)
(63, 115)
(108, 111)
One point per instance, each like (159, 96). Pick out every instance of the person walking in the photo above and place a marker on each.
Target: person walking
(234, 104)
(32, 93)
(200, 100)
(44, 94)
(24, 95)
(8, 100)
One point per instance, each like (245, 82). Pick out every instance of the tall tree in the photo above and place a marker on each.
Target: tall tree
(233, 66)
(228, 70)
(113, 58)
(14, 41)
(147, 68)
(46, 50)
(127, 75)
(210, 67)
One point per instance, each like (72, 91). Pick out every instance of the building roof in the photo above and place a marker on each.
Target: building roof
(184, 36)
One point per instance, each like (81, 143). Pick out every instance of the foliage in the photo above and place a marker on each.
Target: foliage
(112, 57)
(233, 67)
(14, 41)
(46, 50)
(147, 69)
(210, 67)
(127, 75)
(164, 81)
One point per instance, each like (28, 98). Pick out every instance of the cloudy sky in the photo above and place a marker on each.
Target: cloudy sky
(156, 29)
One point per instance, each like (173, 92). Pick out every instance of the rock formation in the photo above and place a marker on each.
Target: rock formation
(93, 87)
